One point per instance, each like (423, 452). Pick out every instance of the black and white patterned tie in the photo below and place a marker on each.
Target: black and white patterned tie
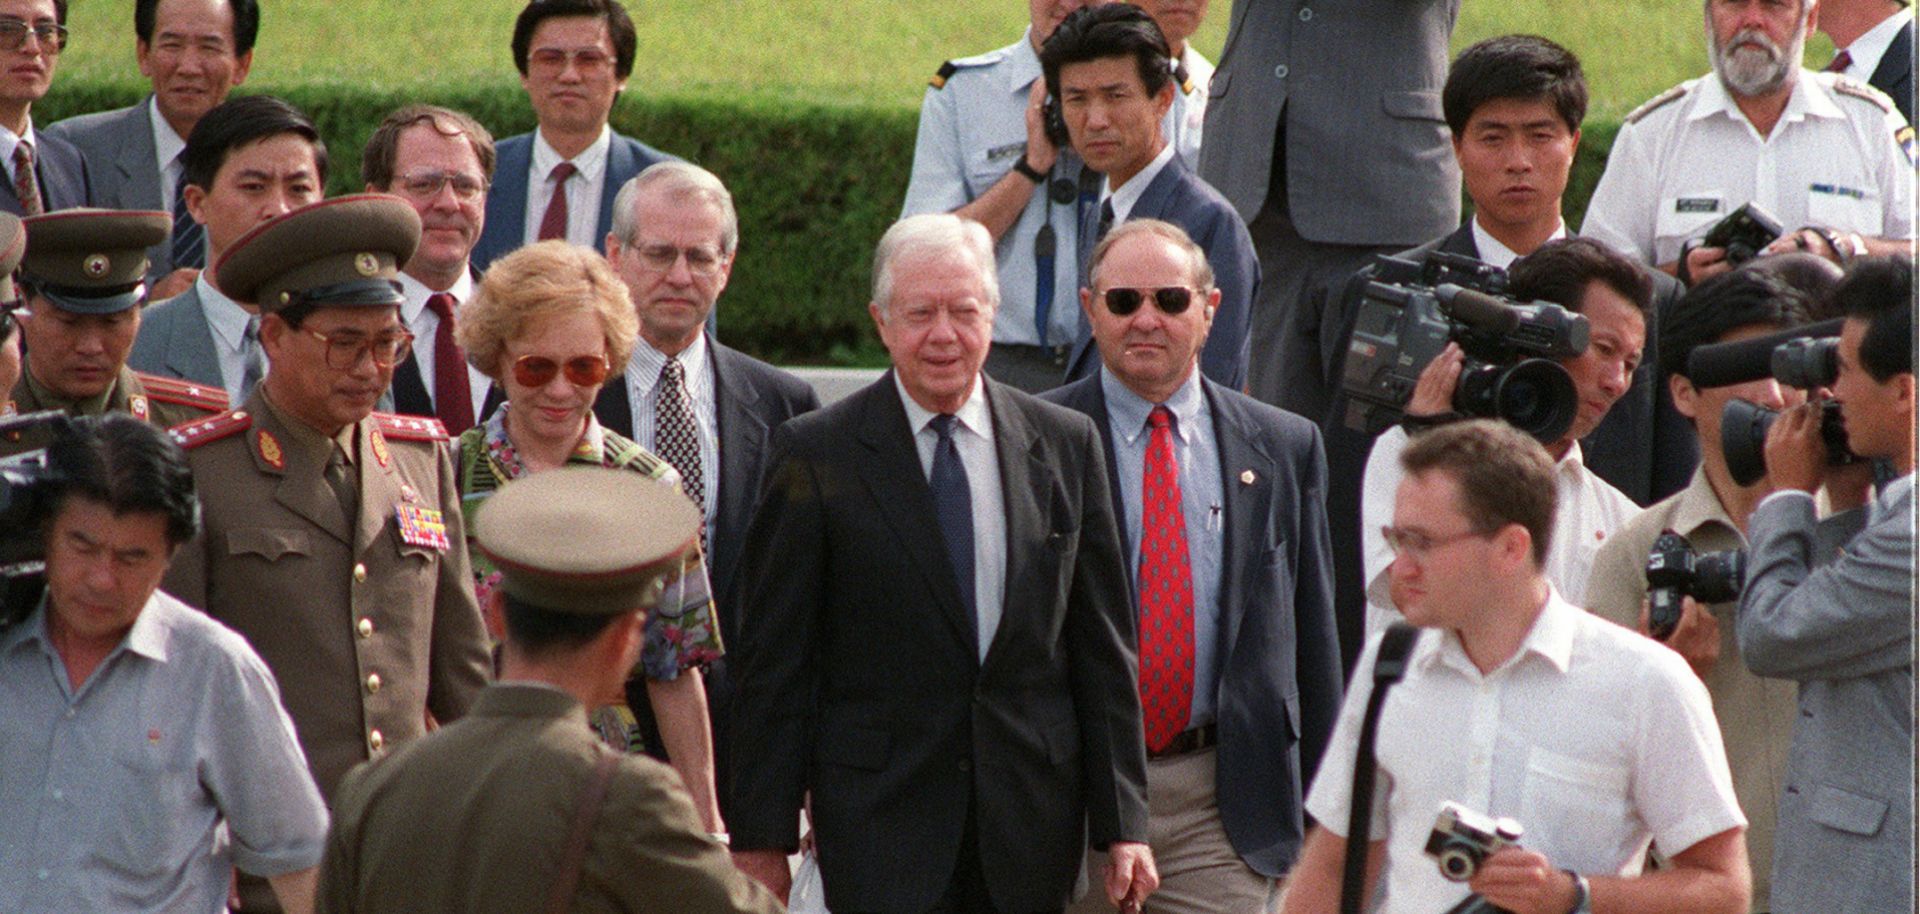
(187, 250)
(675, 438)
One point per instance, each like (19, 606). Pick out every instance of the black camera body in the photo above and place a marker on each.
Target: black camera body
(1675, 570)
(1743, 234)
(22, 506)
(1463, 839)
(1743, 438)
(1407, 313)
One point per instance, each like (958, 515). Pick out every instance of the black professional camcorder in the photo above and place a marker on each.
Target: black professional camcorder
(1804, 357)
(1743, 234)
(1408, 312)
(1462, 840)
(22, 550)
(1675, 570)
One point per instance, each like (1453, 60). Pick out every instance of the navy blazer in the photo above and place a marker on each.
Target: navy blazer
(62, 175)
(1177, 195)
(1894, 75)
(506, 226)
(176, 341)
(1280, 677)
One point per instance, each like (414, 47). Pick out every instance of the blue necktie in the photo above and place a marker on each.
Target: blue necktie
(187, 234)
(953, 505)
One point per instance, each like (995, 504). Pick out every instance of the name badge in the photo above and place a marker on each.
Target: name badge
(1838, 191)
(422, 527)
(1011, 149)
(1696, 205)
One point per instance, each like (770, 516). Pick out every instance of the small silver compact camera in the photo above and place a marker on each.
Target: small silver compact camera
(1462, 839)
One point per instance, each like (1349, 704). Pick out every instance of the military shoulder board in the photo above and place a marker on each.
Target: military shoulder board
(1656, 102)
(410, 428)
(939, 80)
(184, 393)
(1847, 85)
(190, 435)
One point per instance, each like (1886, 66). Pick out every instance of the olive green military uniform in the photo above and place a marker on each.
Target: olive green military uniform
(168, 404)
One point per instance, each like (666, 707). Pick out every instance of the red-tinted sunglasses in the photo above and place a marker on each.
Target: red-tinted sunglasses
(1171, 299)
(581, 370)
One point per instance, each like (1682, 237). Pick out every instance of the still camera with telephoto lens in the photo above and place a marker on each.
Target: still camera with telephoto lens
(1407, 312)
(1809, 364)
(1675, 570)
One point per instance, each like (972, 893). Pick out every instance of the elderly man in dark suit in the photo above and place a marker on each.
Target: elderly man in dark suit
(43, 172)
(935, 639)
(1111, 71)
(1220, 496)
(574, 58)
(193, 52)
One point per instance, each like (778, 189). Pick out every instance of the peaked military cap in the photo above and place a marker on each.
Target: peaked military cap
(345, 251)
(91, 261)
(587, 540)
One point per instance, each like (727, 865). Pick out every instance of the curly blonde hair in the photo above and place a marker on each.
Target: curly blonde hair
(543, 280)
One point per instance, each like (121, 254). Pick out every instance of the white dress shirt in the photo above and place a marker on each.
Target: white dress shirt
(643, 400)
(1594, 738)
(583, 189)
(973, 438)
(1865, 52)
(228, 321)
(1126, 195)
(1493, 252)
(423, 324)
(167, 146)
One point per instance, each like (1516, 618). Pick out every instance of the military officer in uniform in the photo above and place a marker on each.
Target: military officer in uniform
(519, 807)
(332, 536)
(83, 279)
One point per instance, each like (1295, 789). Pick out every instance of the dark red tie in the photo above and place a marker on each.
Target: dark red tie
(553, 223)
(25, 188)
(1166, 592)
(452, 398)
(1841, 62)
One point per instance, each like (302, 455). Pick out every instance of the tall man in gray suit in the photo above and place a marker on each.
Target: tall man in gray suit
(1843, 628)
(193, 52)
(1324, 128)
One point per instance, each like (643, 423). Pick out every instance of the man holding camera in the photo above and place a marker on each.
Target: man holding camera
(1823, 153)
(143, 753)
(1755, 714)
(1842, 627)
(1612, 293)
(1497, 713)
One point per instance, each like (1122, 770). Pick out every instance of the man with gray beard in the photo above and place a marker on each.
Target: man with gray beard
(1827, 155)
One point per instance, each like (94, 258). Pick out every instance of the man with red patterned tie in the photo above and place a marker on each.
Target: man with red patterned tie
(440, 161)
(1220, 499)
(43, 173)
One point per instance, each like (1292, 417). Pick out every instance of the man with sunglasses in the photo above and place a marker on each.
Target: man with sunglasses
(43, 172)
(332, 535)
(1111, 70)
(81, 278)
(440, 161)
(1220, 499)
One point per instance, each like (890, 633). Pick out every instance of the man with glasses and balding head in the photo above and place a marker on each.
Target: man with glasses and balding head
(43, 172)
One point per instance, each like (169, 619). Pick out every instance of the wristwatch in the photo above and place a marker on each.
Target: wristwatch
(1027, 171)
(1582, 895)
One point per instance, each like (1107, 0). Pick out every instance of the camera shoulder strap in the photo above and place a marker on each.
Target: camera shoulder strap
(1388, 666)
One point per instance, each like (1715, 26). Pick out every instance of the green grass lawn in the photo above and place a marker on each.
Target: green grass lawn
(877, 52)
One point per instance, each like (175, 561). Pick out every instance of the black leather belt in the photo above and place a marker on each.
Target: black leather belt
(1188, 741)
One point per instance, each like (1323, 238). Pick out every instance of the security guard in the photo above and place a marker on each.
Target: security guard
(482, 815)
(83, 273)
(332, 536)
(983, 152)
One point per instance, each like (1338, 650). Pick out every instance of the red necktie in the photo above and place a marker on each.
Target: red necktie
(25, 188)
(1841, 62)
(553, 223)
(452, 398)
(1166, 592)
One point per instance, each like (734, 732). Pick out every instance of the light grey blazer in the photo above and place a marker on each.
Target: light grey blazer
(1368, 154)
(118, 149)
(1843, 628)
(176, 341)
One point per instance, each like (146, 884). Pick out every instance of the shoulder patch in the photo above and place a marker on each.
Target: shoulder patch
(1655, 103)
(410, 428)
(184, 393)
(939, 80)
(190, 435)
(1847, 85)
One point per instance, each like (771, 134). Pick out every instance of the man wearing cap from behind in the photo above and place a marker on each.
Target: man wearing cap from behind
(83, 287)
(332, 536)
(519, 807)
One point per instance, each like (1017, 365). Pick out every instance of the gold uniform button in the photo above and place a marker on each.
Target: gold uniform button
(360, 573)
(373, 682)
(375, 741)
(365, 627)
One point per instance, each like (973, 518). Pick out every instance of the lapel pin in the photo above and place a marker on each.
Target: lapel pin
(1246, 477)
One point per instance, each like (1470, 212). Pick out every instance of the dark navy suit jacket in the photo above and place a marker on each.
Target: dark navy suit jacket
(506, 226)
(1280, 680)
(1178, 196)
(61, 173)
(1894, 75)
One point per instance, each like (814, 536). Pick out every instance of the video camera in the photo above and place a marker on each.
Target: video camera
(22, 552)
(1743, 234)
(1804, 357)
(1675, 570)
(1408, 312)
(1462, 840)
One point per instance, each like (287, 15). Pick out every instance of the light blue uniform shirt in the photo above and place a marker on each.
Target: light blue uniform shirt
(972, 130)
(1197, 455)
(142, 789)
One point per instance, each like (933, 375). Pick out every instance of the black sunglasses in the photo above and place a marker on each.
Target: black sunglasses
(1170, 299)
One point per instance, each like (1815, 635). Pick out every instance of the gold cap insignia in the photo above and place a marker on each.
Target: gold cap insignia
(366, 263)
(95, 265)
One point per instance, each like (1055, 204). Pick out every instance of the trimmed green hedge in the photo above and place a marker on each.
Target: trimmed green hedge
(816, 185)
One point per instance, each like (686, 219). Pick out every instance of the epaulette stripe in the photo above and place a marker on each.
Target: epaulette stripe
(1850, 86)
(939, 80)
(185, 393)
(190, 435)
(1656, 102)
(411, 428)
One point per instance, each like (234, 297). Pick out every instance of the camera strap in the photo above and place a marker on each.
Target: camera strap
(1388, 666)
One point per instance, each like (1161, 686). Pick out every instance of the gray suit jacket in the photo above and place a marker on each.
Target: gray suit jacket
(1844, 630)
(122, 167)
(1368, 158)
(176, 341)
(58, 170)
